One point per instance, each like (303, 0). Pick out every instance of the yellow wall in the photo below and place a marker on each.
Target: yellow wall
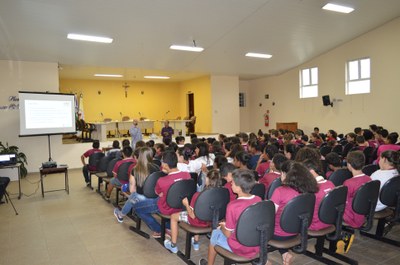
(201, 88)
(156, 100)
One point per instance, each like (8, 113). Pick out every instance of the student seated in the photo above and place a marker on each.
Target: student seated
(324, 187)
(213, 180)
(334, 163)
(355, 163)
(86, 168)
(115, 149)
(118, 180)
(255, 151)
(147, 207)
(225, 235)
(202, 157)
(241, 160)
(275, 170)
(140, 172)
(389, 164)
(226, 171)
(389, 145)
(265, 159)
(296, 179)
(184, 155)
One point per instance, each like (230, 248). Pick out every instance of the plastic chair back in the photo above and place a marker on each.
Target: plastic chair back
(365, 201)
(178, 191)
(150, 184)
(259, 190)
(340, 176)
(274, 184)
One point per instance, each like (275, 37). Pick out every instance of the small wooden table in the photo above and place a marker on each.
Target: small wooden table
(54, 170)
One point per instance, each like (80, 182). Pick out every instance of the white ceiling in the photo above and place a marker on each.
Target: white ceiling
(293, 31)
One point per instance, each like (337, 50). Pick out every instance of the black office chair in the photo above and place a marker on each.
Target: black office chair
(102, 170)
(389, 196)
(258, 190)
(339, 176)
(338, 149)
(368, 152)
(324, 150)
(4, 181)
(346, 149)
(210, 206)
(123, 174)
(176, 193)
(255, 227)
(94, 160)
(148, 191)
(295, 219)
(274, 184)
(330, 212)
(109, 173)
(370, 169)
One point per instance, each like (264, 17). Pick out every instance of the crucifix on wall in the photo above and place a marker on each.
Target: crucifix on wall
(125, 86)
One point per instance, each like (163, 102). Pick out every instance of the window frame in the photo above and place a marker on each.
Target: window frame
(348, 89)
(311, 85)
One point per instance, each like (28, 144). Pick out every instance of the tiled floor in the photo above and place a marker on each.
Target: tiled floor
(80, 228)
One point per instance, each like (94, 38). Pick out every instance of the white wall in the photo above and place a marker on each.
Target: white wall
(33, 76)
(379, 107)
(225, 104)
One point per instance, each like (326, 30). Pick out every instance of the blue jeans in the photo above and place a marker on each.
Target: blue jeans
(218, 238)
(144, 209)
(132, 200)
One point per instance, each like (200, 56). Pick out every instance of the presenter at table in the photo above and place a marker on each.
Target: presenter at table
(135, 133)
(167, 132)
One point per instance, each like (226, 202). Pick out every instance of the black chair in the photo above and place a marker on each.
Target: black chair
(109, 173)
(368, 152)
(86, 130)
(295, 219)
(255, 227)
(176, 193)
(259, 190)
(346, 149)
(4, 181)
(102, 170)
(390, 196)
(340, 176)
(157, 162)
(330, 212)
(324, 150)
(122, 174)
(274, 184)
(210, 206)
(94, 160)
(338, 149)
(364, 203)
(148, 191)
(369, 169)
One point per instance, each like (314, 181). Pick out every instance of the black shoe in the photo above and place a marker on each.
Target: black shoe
(203, 262)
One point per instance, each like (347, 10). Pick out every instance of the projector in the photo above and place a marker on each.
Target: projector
(49, 164)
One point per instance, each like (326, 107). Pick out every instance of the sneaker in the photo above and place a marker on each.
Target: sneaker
(117, 214)
(203, 262)
(196, 245)
(105, 197)
(349, 241)
(343, 245)
(168, 245)
(156, 235)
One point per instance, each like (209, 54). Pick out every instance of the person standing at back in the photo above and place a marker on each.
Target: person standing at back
(167, 132)
(135, 133)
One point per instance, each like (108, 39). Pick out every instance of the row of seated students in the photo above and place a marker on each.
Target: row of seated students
(197, 161)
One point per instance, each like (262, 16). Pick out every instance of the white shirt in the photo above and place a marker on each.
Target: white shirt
(195, 165)
(383, 176)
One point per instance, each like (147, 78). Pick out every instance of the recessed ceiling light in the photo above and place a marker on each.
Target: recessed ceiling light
(108, 75)
(156, 77)
(73, 36)
(186, 48)
(258, 55)
(338, 8)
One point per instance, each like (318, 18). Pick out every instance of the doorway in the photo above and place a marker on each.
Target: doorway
(190, 98)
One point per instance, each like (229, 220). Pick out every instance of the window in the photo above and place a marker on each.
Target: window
(309, 83)
(358, 74)
(242, 99)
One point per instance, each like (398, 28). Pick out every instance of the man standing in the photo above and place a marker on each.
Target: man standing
(135, 133)
(167, 132)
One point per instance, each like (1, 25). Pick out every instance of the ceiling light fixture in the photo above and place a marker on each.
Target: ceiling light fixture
(156, 77)
(193, 48)
(338, 8)
(73, 36)
(258, 55)
(108, 75)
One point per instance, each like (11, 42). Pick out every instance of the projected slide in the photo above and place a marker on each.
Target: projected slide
(43, 113)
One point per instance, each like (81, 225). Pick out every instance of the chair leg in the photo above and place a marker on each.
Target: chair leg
(319, 249)
(8, 199)
(379, 234)
(188, 247)
(136, 228)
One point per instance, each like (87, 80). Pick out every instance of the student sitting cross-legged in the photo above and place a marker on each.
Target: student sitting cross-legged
(225, 235)
(145, 208)
(213, 179)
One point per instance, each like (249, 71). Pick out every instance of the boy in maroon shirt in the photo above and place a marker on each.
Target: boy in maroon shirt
(275, 170)
(355, 163)
(226, 171)
(86, 168)
(225, 235)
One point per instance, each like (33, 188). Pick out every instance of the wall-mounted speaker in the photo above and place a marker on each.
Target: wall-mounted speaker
(327, 101)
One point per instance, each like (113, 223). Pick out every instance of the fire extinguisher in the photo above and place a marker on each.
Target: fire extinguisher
(266, 118)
